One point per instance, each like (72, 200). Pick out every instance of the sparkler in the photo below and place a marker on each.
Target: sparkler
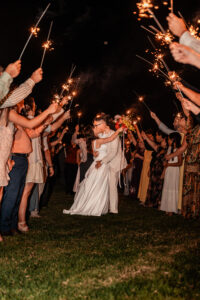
(141, 100)
(46, 45)
(143, 8)
(34, 31)
(56, 98)
(172, 77)
(165, 38)
(172, 6)
(194, 32)
(180, 14)
(155, 68)
(156, 20)
(69, 81)
(77, 84)
(79, 115)
(159, 55)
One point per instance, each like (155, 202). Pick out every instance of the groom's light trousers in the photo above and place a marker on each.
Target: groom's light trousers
(113, 182)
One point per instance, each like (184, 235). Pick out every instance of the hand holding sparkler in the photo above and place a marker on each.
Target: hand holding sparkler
(14, 69)
(176, 25)
(52, 109)
(185, 55)
(37, 75)
(191, 106)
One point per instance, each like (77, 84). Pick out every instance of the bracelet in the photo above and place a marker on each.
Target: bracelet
(50, 166)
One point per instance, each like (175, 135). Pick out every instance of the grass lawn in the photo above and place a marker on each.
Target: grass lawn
(138, 254)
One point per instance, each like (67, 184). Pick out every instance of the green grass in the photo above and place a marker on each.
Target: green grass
(138, 254)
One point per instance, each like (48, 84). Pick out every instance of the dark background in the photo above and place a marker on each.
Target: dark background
(109, 72)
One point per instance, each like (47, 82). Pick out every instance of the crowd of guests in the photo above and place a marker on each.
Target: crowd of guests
(163, 168)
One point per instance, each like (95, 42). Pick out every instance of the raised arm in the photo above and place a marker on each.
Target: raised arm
(6, 78)
(178, 28)
(132, 138)
(194, 96)
(23, 90)
(59, 139)
(185, 55)
(151, 143)
(109, 139)
(161, 125)
(26, 123)
(182, 99)
(138, 133)
(60, 121)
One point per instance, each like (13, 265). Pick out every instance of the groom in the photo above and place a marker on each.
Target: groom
(114, 158)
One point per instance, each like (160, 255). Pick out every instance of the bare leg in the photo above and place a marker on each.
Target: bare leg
(23, 204)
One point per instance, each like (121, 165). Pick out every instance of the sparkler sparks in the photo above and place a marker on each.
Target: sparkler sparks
(194, 32)
(34, 31)
(143, 8)
(164, 38)
(56, 98)
(47, 45)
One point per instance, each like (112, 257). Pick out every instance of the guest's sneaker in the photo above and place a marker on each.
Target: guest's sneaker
(65, 212)
(35, 214)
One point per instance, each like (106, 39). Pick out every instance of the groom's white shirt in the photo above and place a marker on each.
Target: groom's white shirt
(115, 157)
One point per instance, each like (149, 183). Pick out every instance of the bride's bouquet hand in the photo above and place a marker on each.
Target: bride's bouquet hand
(120, 129)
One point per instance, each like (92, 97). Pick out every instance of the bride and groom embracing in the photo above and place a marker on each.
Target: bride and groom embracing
(97, 193)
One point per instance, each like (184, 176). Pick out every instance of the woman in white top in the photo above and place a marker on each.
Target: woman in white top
(170, 192)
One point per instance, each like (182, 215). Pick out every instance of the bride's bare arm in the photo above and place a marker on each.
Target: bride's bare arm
(109, 139)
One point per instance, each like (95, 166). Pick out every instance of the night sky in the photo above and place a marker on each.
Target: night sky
(102, 39)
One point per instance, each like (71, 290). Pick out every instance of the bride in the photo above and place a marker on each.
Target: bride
(92, 198)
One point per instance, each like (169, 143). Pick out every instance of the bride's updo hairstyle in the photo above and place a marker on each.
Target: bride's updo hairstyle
(104, 117)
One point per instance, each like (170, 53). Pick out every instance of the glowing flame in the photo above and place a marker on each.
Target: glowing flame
(79, 114)
(47, 45)
(65, 87)
(165, 38)
(34, 31)
(74, 93)
(194, 31)
(56, 98)
(141, 98)
(173, 76)
(70, 80)
(143, 8)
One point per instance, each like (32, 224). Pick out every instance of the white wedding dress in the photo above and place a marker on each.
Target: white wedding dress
(92, 196)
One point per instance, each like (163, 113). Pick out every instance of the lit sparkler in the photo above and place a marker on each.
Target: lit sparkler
(69, 81)
(56, 98)
(172, 6)
(141, 100)
(47, 45)
(194, 32)
(165, 38)
(143, 8)
(34, 31)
